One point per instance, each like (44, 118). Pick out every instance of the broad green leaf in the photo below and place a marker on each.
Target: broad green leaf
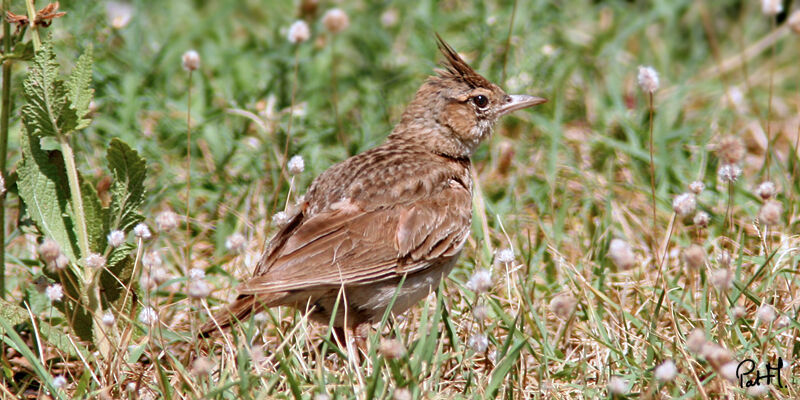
(43, 187)
(11, 313)
(128, 169)
(47, 111)
(80, 92)
(95, 216)
(122, 269)
(502, 369)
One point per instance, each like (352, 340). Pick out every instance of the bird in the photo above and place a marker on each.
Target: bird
(385, 226)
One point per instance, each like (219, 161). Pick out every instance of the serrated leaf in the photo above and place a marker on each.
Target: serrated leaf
(78, 85)
(47, 111)
(112, 290)
(12, 313)
(129, 170)
(95, 216)
(43, 187)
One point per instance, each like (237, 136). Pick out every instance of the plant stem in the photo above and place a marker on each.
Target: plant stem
(652, 182)
(4, 116)
(285, 159)
(188, 173)
(37, 43)
(769, 107)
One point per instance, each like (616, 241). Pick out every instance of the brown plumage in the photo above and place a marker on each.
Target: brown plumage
(401, 210)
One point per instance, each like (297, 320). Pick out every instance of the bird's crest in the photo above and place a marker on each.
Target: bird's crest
(456, 68)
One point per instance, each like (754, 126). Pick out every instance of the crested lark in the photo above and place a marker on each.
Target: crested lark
(401, 210)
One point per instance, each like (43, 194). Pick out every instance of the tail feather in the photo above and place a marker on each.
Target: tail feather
(238, 311)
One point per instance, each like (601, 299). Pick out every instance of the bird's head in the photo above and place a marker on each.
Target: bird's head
(454, 111)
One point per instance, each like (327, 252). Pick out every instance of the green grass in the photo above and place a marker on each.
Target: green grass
(558, 183)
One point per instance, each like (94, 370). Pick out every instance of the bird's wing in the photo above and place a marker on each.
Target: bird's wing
(348, 245)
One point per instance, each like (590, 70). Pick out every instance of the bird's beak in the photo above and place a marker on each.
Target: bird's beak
(516, 102)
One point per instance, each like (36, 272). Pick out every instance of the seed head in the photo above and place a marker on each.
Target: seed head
(141, 231)
(684, 204)
(696, 341)
(697, 187)
(199, 289)
(771, 7)
(335, 20)
(148, 315)
(478, 342)
(648, 79)
(505, 256)
(49, 250)
(770, 213)
(621, 254)
(392, 349)
(190, 61)
(765, 190)
(151, 259)
(95, 261)
(160, 275)
(480, 313)
(236, 243)
(166, 221)
(58, 264)
(722, 279)
(202, 367)
(666, 371)
(617, 385)
(280, 219)
(296, 165)
(116, 238)
(765, 313)
(298, 32)
(694, 256)
(729, 173)
(730, 149)
(563, 305)
(481, 281)
(59, 382)
(55, 292)
(701, 219)
(108, 318)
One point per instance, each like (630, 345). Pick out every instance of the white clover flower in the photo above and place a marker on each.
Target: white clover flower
(478, 342)
(166, 221)
(684, 204)
(621, 254)
(771, 7)
(108, 318)
(481, 281)
(116, 238)
(59, 382)
(95, 261)
(190, 61)
(648, 79)
(697, 187)
(236, 243)
(701, 219)
(765, 190)
(196, 274)
(335, 20)
(296, 165)
(148, 315)
(505, 256)
(55, 292)
(298, 32)
(766, 313)
(280, 219)
(617, 385)
(729, 173)
(119, 14)
(141, 231)
(666, 371)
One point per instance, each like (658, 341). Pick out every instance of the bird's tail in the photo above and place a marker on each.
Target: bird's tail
(237, 311)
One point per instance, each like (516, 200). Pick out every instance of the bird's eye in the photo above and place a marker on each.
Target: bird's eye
(480, 100)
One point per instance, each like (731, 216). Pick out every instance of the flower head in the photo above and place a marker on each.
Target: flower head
(684, 204)
(296, 165)
(770, 213)
(190, 61)
(151, 259)
(335, 20)
(648, 79)
(392, 349)
(563, 305)
(58, 264)
(480, 313)
(55, 292)
(196, 274)
(95, 261)
(108, 318)
(701, 219)
(49, 250)
(280, 219)
(166, 221)
(694, 256)
(730, 149)
(298, 32)
(148, 315)
(59, 381)
(696, 341)
(621, 254)
(766, 313)
(116, 238)
(389, 18)
(236, 242)
(119, 14)
(199, 289)
(697, 187)
(666, 371)
(478, 342)
(771, 7)
(141, 231)
(722, 279)
(729, 173)
(617, 385)
(765, 190)
(505, 256)
(480, 281)
(202, 366)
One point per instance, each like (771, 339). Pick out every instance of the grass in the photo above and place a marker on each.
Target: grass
(557, 184)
